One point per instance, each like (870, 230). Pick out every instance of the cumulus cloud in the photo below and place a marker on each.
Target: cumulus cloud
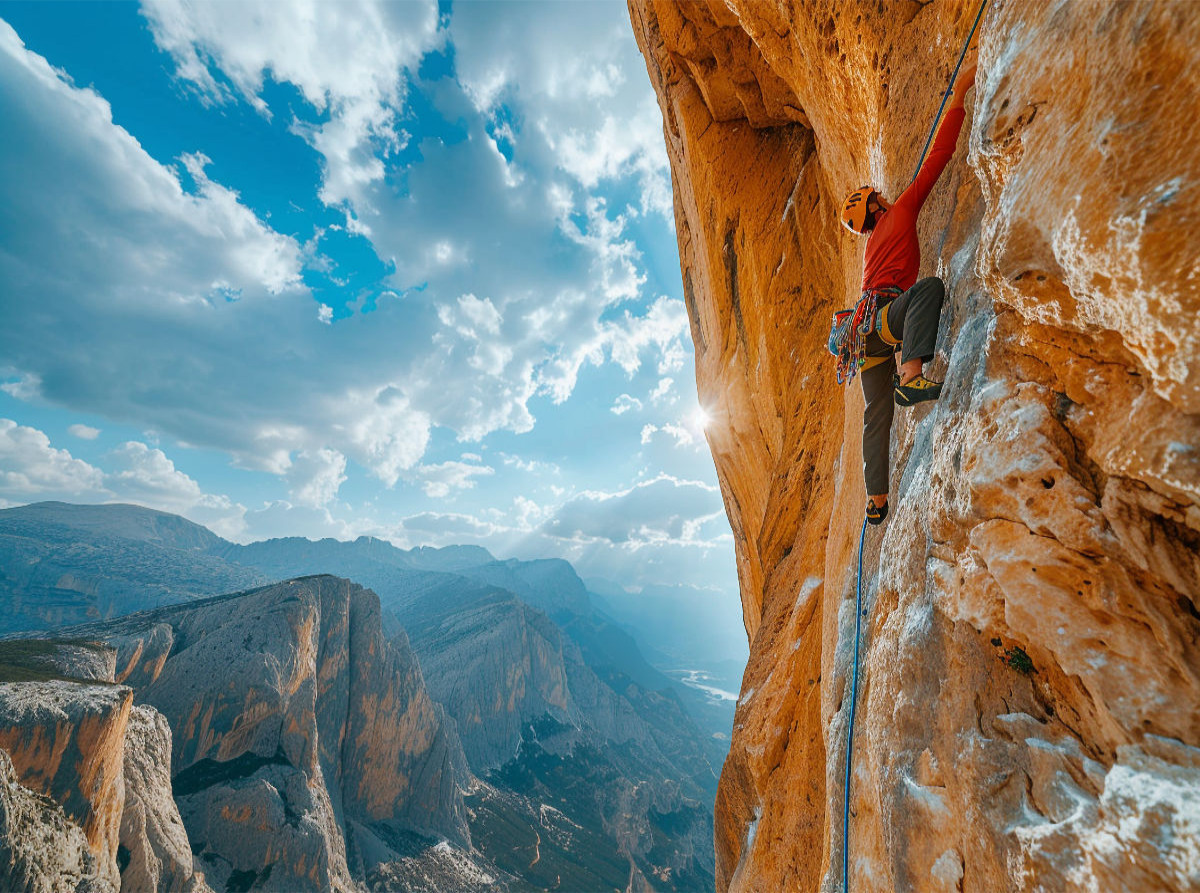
(681, 435)
(32, 469)
(590, 105)
(144, 475)
(530, 466)
(280, 518)
(83, 432)
(315, 476)
(662, 509)
(440, 480)
(64, 146)
(663, 390)
(347, 59)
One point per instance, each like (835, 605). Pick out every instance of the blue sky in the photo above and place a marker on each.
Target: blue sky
(328, 269)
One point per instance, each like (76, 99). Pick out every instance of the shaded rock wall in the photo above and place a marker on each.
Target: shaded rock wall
(1028, 717)
(67, 742)
(152, 832)
(40, 848)
(100, 771)
(523, 698)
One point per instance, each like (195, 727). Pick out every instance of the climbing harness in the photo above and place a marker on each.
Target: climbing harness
(949, 89)
(848, 337)
(858, 609)
(858, 614)
(850, 328)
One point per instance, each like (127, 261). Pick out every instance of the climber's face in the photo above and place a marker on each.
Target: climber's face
(877, 205)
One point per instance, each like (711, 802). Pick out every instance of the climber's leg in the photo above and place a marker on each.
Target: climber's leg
(877, 430)
(912, 318)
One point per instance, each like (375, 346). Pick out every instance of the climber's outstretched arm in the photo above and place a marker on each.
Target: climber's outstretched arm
(944, 145)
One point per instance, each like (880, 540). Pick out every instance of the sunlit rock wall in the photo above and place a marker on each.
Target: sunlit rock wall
(1029, 714)
(303, 739)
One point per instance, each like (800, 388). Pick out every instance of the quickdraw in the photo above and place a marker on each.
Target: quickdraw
(850, 329)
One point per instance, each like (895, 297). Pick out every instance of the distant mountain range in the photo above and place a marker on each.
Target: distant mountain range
(582, 765)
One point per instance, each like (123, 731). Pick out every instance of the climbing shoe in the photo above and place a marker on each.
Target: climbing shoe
(918, 390)
(876, 514)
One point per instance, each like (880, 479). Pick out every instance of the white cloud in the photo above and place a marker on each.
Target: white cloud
(687, 431)
(27, 385)
(530, 466)
(664, 509)
(83, 432)
(590, 104)
(70, 167)
(527, 513)
(440, 480)
(325, 314)
(31, 469)
(624, 404)
(662, 391)
(453, 527)
(664, 327)
(144, 475)
(281, 518)
(315, 476)
(253, 250)
(347, 59)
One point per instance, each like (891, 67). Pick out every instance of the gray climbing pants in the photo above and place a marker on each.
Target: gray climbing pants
(912, 320)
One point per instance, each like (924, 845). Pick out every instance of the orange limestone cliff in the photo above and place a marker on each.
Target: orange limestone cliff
(1029, 699)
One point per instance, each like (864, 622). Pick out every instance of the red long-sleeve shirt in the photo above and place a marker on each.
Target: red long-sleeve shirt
(893, 254)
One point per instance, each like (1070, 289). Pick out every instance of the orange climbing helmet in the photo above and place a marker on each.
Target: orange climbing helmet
(854, 209)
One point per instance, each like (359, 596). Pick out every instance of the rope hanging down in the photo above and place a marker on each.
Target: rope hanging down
(949, 89)
(858, 611)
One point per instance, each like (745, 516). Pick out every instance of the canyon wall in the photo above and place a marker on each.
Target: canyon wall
(306, 748)
(1028, 709)
(85, 783)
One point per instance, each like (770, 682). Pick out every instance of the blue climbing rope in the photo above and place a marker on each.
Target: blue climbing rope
(950, 89)
(858, 613)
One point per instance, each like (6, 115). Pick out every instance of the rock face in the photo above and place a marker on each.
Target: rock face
(104, 815)
(553, 705)
(589, 759)
(615, 762)
(305, 744)
(1028, 711)
(40, 848)
(67, 742)
(152, 832)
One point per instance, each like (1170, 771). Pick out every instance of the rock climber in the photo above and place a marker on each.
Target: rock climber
(907, 310)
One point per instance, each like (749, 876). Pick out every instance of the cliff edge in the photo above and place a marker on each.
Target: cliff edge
(1027, 713)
